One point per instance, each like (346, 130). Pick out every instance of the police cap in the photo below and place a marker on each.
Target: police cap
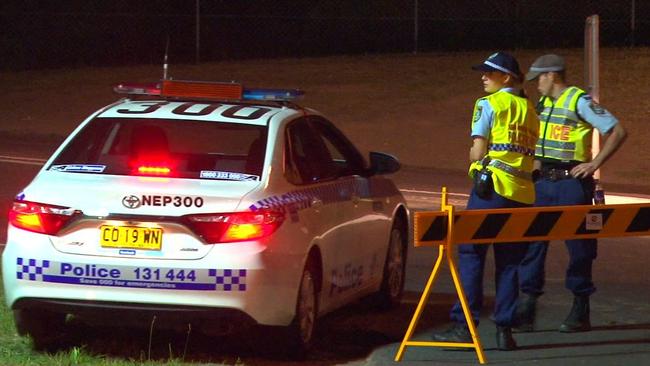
(546, 63)
(501, 61)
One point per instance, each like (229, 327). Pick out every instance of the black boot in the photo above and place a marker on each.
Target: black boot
(525, 313)
(458, 333)
(505, 342)
(578, 319)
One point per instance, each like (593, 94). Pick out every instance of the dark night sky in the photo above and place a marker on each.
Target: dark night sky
(63, 33)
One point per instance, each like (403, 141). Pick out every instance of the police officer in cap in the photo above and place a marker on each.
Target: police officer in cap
(504, 130)
(568, 117)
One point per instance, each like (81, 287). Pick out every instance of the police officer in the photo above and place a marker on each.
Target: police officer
(568, 116)
(504, 131)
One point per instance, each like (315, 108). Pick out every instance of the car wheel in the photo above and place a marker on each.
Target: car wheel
(392, 285)
(46, 328)
(301, 330)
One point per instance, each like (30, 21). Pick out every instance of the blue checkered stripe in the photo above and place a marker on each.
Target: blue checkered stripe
(229, 279)
(328, 193)
(31, 269)
(513, 148)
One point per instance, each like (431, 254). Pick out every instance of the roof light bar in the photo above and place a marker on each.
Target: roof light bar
(207, 90)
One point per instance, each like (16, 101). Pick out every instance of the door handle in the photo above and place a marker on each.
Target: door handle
(355, 199)
(316, 203)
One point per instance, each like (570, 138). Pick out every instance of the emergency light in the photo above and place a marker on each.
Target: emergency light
(207, 90)
(137, 89)
(273, 94)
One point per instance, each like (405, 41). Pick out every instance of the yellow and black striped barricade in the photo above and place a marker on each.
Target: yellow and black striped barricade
(447, 227)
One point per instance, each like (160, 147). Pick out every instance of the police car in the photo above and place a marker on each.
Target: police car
(206, 202)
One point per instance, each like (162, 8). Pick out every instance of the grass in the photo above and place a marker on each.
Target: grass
(17, 350)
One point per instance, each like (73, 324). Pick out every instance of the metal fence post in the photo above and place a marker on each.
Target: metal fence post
(632, 23)
(415, 27)
(198, 31)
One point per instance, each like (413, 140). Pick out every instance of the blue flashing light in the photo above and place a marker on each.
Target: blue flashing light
(273, 94)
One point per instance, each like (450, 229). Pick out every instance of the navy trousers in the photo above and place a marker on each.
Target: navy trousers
(582, 252)
(471, 264)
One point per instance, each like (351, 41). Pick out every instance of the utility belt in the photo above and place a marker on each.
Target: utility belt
(556, 171)
(483, 184)
(554, 174)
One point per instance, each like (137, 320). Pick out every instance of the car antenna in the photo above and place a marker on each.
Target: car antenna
(165, 60)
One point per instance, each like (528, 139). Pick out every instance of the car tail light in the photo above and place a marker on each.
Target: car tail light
(40, 218)
(237, 226)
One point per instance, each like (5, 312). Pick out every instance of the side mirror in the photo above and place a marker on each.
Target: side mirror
(381, 163)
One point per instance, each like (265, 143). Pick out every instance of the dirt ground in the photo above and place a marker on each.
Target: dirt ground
(417, 107)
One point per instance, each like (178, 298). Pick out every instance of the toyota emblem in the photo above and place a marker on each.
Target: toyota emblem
(131, 201)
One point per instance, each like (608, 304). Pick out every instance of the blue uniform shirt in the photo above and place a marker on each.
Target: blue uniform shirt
(595, 115)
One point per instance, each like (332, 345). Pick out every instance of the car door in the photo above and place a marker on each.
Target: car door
(367, 231)
(329, 213)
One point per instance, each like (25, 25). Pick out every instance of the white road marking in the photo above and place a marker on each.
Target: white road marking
(434, 193)
(21, 160)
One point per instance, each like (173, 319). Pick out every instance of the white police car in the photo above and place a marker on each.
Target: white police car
(192, 201)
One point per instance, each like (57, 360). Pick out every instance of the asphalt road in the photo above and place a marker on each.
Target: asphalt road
(357, 335)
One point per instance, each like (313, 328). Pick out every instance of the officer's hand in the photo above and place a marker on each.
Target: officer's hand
(584, 170)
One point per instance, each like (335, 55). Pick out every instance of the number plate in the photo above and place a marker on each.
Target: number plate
(130, 237)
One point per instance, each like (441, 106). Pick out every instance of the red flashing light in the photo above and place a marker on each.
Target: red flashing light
(234, 227)
(204, 90)
(39, 218)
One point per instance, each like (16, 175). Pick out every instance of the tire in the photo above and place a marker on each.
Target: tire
(392, 284)
(302, 329)
(46, 328)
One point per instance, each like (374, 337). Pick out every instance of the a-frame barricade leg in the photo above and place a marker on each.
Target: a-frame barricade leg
(418, 311)
(443, 250)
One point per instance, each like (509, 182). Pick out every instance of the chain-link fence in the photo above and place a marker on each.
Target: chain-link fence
(35, 34)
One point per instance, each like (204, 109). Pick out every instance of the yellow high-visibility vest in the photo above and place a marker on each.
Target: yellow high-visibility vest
(562, 134)
(511, 146)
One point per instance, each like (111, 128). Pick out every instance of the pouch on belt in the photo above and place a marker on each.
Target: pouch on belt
(483, 185)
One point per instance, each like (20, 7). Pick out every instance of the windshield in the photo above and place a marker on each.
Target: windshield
(160, 147)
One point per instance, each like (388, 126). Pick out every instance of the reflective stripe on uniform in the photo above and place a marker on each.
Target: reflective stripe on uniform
(563, 117)
(511, 147)
(555, 154)
(560, 145)
(509, 169)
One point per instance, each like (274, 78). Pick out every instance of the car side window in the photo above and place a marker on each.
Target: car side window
(308, 158)
(343, 158)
